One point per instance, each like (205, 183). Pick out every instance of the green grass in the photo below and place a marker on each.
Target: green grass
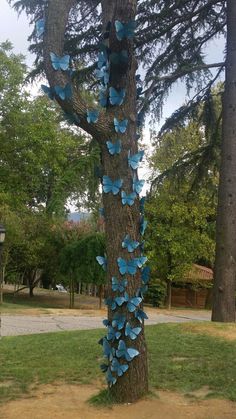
(178, 360)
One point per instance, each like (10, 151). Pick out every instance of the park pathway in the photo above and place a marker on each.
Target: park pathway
(14, 325)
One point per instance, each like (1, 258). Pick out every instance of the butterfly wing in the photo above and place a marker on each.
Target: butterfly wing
(116, 186)
(145, 274)
(111, 380)
(40, 27)
(120, 30)
(135, 159)
(102, 262)
(64, 62)
(120, 126)
(103, 99)
(107, 184)
(142, 203)
(140, 315)
(143, 226)
(138, 185)
(133, 304)
(131, 354)
(118, 321)
(116, 96)
(49, 91)
(131, 267)
(55, 61)
(128, 199)
(122, 266)
(92, 116)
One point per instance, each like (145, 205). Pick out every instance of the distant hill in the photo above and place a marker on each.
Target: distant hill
(78, 216)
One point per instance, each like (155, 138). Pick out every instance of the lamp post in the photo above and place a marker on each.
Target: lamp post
(2, 239)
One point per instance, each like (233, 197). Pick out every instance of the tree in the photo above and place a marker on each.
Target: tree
(181, 220)
(122, 217)
(225, 266)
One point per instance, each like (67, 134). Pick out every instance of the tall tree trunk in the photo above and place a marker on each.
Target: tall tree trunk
(120, 220)
(169, 294)
(225, 264)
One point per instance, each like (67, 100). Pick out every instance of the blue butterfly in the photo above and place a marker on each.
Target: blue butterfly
(111, 380)
(120, 126)
(102, 59)
(129, 244)
(135, 159)
(120, 369)
(138, 185)
(92, 116)
(110, 303)
(145, 274)
(133, 303)
(102, 75)
(143, 225)
(116, 96)
(103, 97)
(128, 199)
(65, 92)
(119, 58)
(127, 267)
(60, 63)
(125, 30)
(112, 334)
(104, 367)
(140, 315)
(110, 186)
(114, 148)
(40, 27)
(121, 300)
(124, 352)
(142, 203)
(118, 285)
(108, 351)
(118, 321)
(102, 262)
(132, 333)
(106, 322)
(141, 291)
(49, 91)
(141, 260)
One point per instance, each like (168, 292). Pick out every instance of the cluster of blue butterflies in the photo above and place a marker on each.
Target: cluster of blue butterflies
(120, 355)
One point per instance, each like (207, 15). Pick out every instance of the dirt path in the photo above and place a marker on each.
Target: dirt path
(70, 402)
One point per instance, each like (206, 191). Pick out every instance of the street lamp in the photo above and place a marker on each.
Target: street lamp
(2, 239)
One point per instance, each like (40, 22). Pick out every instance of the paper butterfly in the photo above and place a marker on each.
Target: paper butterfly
(104, 367)
(92, 116)
(128, 199)
(138, 185)
(121, 300)
(40, 27)
(102, 59)
(143, 225)
(127, 267)
(112, 334)
(49, 91)
(102, 75)
(60, 63)
(129, 244)
(103, 97)
(118, 58)
(145, 274)
(118, 321)
(141, 260)
(110, 186)
(106, 322)
(140, 315)
(102, 262)
(120, 126)
(120, 369)
(116, 96)
(132, 333)
(125, 30)
(118, 285)
(114, 148)
(64, 93)
(108, 351)
(124, 352)
(133, 303)
(111, 380)
(142, 203)
(135, 159)
(141, 291)
(110, 303)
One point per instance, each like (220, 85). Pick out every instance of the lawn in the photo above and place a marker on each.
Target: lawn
(179, 359)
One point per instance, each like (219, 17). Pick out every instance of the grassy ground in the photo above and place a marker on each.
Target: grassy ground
(180, 358)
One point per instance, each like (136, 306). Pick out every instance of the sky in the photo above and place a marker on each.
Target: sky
(17, 29)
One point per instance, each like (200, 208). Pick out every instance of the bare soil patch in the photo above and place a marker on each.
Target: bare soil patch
(71, 402)
(227, 331)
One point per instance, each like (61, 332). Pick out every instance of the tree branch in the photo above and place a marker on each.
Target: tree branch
(57, 14)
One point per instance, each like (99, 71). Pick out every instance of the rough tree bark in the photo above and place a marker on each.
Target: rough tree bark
(225, 264)
(119, 220)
